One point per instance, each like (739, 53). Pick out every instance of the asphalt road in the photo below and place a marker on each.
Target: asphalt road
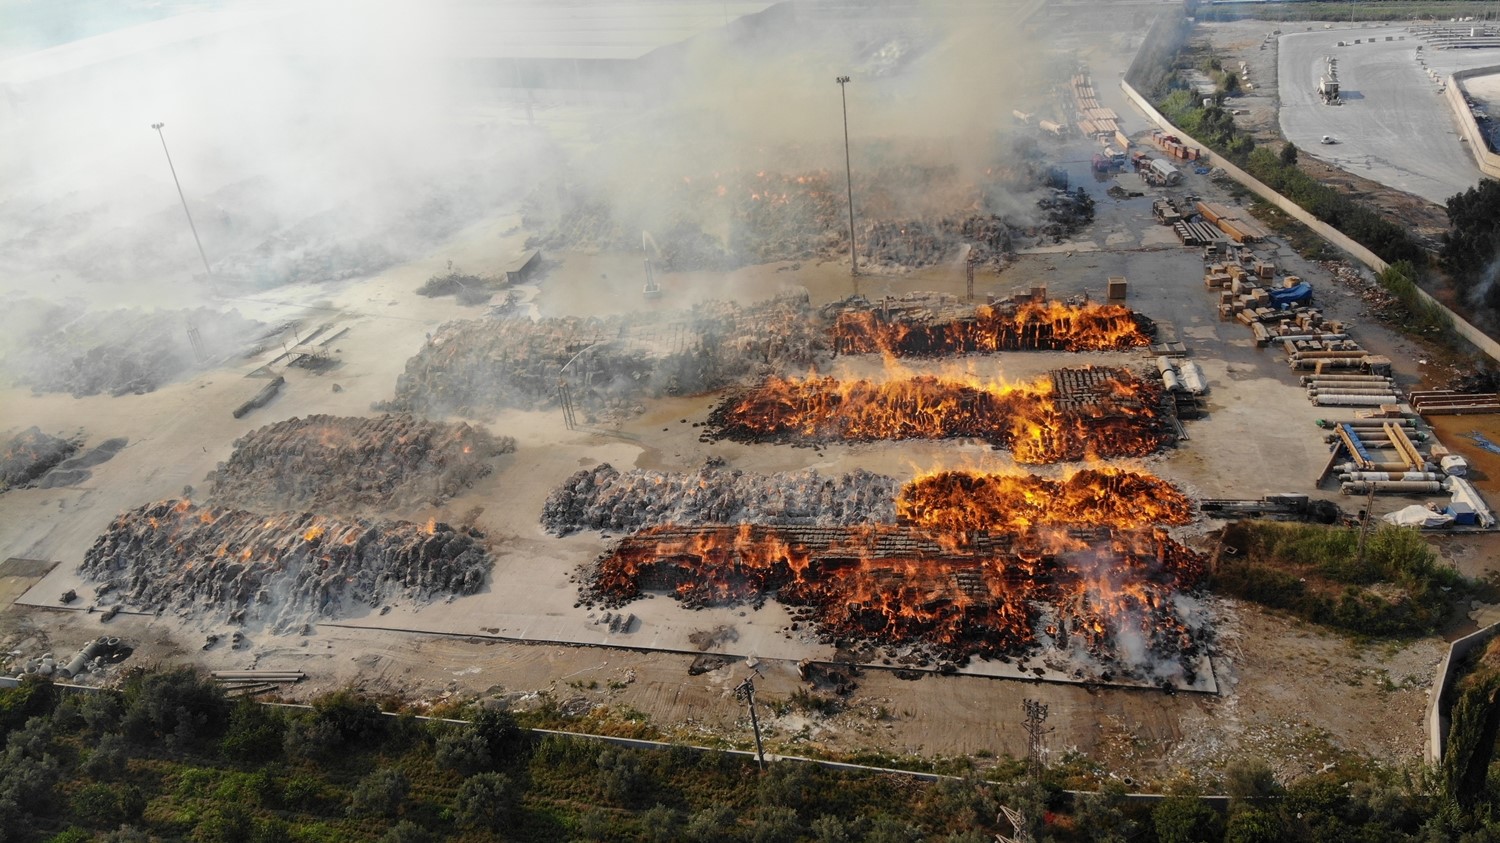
(1394, 126)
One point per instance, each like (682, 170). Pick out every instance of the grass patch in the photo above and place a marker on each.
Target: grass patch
(1397, 587)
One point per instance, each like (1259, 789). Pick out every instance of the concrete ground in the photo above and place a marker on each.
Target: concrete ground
(1394, 127)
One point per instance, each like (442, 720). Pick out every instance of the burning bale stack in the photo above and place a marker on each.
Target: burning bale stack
(128, 351)
(1111, 413)
(30, 454)
(282, 570)
(343, 464)
(603, 498)
(477, 367)
(965, 502)
(924, 325)
(1106, 595)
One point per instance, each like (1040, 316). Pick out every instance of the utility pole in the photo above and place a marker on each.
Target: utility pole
(849, 180)
(170, 166)
(1036, 734)
(746, 691)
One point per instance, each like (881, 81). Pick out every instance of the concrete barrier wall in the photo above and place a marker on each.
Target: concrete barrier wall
(1489, 162)
(1437, 713)
(1461, 326)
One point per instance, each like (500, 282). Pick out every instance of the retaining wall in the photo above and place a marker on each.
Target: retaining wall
(1437, 714)
(1489, 162)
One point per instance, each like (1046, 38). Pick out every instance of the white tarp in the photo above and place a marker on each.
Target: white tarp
(1417, 515)
(1455, 466)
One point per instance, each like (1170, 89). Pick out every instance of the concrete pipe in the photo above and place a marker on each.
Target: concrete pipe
(1164, 364)
(74, 667)
(112, 642)
(1392, 487)
(1343, 400)
(1170, 380)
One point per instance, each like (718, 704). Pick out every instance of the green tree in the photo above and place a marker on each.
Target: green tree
(1255, 825)
(175, 706)
(255, 732)
(1288, 155)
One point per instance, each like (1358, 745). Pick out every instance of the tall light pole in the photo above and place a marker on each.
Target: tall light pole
(849, 177)
(157, 127)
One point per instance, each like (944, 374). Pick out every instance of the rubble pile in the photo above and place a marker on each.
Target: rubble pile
(479, 366)
(128, 351)
(31, 454)
(968, 502)
(79, 467)
(281, 570)
(1106, 595)
(1118, 415)
(929, 325)
(347, 464)
(467, 289)
(603, 498)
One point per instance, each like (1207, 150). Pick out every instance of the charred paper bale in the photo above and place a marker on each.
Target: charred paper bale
(281, 570)
(30, 454)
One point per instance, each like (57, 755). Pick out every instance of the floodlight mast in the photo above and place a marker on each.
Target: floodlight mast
(849, 181)
(185, 211)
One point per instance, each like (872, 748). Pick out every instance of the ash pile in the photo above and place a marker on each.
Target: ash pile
(30, 454)
(282, 571)
(923, 324)
(120, 352)
(603, 498)
(603, 364)
(1107, 600)
(1066, 214)
(352, 464)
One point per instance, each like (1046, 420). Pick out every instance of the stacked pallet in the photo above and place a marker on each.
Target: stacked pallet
(1234, 222)
(1196, 233)
(1174, 147)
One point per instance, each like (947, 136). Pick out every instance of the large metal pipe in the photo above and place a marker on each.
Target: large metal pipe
(1349, 467)
(1326, 354)
(1329, 362)
(1389, 476)
(1164, 364)
(1392, 487)
(1346, 376)
(1170, 380)
(1311, 338)
(1346, 400)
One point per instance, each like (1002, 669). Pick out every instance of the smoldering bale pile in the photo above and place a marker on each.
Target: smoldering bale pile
(1106, 596)
(30, 454)
(477, 367)
(924, 324)
(603, 498)
(967, 502)
(282, 570)
(1077, 413)
(79, 467)
(918, 243)
(344, 464)
(124, 351)
(1067, 214)
(721, 220)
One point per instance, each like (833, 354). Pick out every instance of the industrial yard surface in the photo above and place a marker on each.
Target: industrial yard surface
(1297, 693)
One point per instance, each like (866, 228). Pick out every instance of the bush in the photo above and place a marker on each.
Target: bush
(107, 759)
(255, 732)
(175, 707)
(339, 720)
(486, 802)
(1186, 819)
(380, 794)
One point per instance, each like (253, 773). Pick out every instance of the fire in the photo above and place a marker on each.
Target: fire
(1053, 326)
(313, 534)
(966, 502)
(985, 596)
(1119, 417)
(431, 526)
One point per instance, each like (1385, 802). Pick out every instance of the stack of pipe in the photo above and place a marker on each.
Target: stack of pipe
(247, 682)
(1350, 390)
(1184, 376)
